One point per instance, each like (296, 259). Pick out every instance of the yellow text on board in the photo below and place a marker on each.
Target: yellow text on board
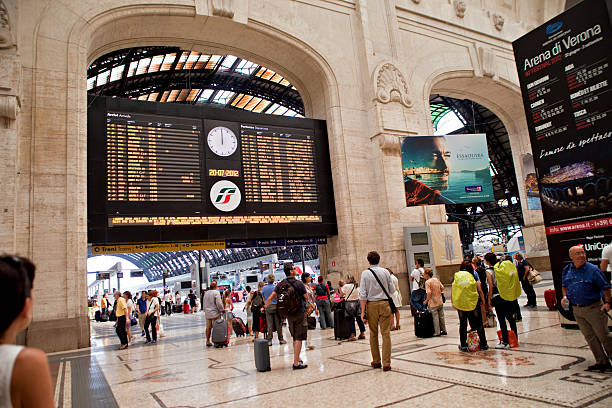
(156, 247)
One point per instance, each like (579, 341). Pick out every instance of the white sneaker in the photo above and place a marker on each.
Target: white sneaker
(502, 346)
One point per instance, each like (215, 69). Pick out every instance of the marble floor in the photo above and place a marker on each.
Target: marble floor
(548, 369)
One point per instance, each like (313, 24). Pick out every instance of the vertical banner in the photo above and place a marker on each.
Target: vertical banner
(532, 189)
(449, 169)
(565, 77)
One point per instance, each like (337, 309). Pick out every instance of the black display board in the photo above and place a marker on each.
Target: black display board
(161, 172)
(565, 77)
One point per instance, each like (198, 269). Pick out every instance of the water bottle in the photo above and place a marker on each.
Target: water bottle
(565, 304)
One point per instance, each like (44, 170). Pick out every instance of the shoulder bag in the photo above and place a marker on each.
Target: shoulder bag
(391, 304)
(352, 308)
(533, 276)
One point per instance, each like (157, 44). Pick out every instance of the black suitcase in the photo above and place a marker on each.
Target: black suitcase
(341, 325)
(423, 324)
(98, 316)
(262, 355)
(312, 322)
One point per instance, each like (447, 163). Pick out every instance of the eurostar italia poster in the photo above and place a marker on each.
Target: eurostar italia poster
(451, 169)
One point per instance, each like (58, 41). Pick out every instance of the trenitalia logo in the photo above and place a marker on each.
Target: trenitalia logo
(225, 195)
(554, 27)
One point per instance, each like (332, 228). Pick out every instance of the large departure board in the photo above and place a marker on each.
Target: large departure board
(166, 172)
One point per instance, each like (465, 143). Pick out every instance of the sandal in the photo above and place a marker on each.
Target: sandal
(299, 366)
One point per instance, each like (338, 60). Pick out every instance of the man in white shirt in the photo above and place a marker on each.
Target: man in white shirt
(417, 274)
(168, 299)
(372, 296)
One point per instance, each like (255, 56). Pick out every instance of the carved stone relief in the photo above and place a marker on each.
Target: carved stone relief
(487, 61)
(391, 86)
(460, 8)
(416, 1)
(223, 8)
(498, 21)
(6, 37)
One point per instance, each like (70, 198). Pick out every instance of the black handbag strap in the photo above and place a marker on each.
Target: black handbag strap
(349, 295)
(381, 285)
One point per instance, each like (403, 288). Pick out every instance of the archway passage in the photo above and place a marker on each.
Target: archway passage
(504, 215)
(170, 74)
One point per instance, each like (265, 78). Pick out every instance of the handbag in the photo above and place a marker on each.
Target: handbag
(352, 308)
(391, 304)
(133, 321)
(533, 276)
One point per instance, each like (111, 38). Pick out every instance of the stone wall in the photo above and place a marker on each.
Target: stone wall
(366, 66)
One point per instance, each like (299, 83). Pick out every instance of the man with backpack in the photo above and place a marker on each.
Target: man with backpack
(323, 306)
(291, 298)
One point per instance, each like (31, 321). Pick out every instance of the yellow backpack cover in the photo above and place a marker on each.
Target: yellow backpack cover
(507, 279)
(465, 293)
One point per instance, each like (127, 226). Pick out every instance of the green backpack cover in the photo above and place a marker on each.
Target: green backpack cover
(465, 292)
(507, 279)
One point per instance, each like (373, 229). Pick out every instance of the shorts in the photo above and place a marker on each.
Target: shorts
(209, 322)
(298, 326)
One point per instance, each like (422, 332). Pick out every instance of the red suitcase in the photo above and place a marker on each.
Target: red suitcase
(551, 299)
(185, 308)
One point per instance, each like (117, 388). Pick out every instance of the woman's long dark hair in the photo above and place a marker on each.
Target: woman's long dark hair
(466, 266)
(16, 278)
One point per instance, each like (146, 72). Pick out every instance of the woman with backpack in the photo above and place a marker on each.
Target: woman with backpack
(504, 308)
(255, 303)
(466, 293)
(322, 292)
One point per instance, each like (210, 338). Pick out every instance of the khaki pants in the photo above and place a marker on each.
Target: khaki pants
(379, 314)
(593, 324)
(141, 320)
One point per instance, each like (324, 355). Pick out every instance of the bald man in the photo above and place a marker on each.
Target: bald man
(583, 284)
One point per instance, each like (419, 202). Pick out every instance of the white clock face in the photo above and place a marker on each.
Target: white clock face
(222, 141)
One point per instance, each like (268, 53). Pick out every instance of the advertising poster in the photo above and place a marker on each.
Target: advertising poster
(565, 76)
(531, 183)
(450, 169)
(446, 243)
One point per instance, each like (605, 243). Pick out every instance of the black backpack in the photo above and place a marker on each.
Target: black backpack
(288, 301)
(257, 302)
(321, 289)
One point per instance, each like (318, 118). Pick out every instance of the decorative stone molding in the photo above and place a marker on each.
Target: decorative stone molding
(9, 107)
(389, 144)
(460, 8)
(498, 21)
(390, 85)
(6, 37)
(223, 8)
(416, 1)
(487, 61)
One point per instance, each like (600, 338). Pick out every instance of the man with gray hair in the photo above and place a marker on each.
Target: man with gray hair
(583, 284)
(121, 312)
(213, 308)
(272, 316)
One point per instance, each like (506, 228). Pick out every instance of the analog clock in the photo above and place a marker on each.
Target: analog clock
(222, 141)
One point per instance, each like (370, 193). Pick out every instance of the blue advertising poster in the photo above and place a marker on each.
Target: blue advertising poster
(451, 169)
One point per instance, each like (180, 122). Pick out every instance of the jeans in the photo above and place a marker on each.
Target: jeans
(274, 323)
(168, 308)
(351, 321)
(120, 330)
(528, 289)
(437, 313)
(151, 321)
(475, 323)
(505, 311)
(325, 315)
(379, 314)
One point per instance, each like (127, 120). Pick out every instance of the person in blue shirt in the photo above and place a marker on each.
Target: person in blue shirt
(142, 310)
(272, 316)
(582, 285)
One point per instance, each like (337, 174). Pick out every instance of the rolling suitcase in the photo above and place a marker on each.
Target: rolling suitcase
(312, 322)
(97, 316)
(239, 327)
(423, 324)
(262, 355)
(551, 299)
(185, 308)
(341, 326)
(221, 331)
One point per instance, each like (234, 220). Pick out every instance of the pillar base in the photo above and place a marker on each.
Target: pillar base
(59, 335)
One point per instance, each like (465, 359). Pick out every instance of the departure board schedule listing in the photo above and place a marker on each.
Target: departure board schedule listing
(565, 77)
(152, 158)
(168, 172)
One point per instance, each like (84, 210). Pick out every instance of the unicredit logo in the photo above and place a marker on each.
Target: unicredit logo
(225, 195)
(554, 27)
(595, 246)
